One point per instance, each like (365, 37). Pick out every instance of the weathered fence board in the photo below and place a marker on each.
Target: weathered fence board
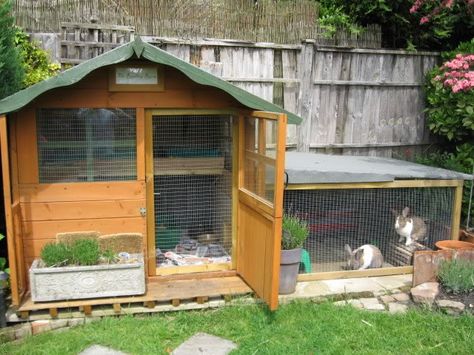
(353, 101)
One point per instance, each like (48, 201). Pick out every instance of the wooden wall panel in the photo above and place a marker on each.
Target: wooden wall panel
(84, 191)
(47, 229)
(27, 147)
(53, 211)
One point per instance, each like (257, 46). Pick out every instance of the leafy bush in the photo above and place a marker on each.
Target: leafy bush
(457, 276)
(11, 71)
(56, 254)
(85, 252)
(35, 61)
(295, 232)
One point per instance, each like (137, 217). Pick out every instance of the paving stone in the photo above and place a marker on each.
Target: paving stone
(451, 307)
(372, 304)
(100, 350)
(23, 331)
(75, 321)
(40, 326)
(387, 299)
(202, 343)
(401, 297)
(425, 293)
(58, 323)
(396, 307)
(353, 302)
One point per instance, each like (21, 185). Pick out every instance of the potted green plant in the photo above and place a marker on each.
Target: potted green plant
(295, 231)
(78, 270)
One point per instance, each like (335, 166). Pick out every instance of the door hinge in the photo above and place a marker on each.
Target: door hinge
(143, 211)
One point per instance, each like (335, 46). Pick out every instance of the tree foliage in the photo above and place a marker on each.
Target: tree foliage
(11, 70)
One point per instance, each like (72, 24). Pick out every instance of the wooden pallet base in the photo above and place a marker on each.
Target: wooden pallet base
(165, 295)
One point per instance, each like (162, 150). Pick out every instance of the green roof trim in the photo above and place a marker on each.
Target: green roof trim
(140, 49)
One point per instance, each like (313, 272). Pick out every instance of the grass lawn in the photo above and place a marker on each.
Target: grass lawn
(296, 328)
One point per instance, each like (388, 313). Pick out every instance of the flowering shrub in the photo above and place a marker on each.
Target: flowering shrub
(435, 7)
(458, 73)
(450, 96)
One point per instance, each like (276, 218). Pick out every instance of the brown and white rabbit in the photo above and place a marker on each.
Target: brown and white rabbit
(411, 228)
(367, 256)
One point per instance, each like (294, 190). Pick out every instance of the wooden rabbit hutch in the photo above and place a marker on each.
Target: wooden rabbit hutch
(352, 199)
(138, 141)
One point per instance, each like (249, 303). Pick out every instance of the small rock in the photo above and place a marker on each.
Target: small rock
(58, 323)
(352, 302)
(401, 297)
(40, 326)
(397, 308)
(425, 293)
(372, 304)
(387, 299)
(75, 321)
(23, 331)
(451, 307)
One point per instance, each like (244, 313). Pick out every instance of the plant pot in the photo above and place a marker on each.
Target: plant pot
(289, 267)
(453, 245)
(79, 282)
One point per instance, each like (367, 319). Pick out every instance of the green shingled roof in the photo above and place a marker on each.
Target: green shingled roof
(141, 50)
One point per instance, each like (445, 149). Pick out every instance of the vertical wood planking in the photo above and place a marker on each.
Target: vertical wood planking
(13, 262)
(456, 211)
(28, 149)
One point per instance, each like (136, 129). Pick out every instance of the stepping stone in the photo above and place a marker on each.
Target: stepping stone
(401, 297)
(397, 308)
(425, 293)
(387, 299)
(100, 350)
(372, 304)
(451, 307)
(202, 343)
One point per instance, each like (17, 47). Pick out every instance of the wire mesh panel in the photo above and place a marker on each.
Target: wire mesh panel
(367, 216)
(193, 189)
(86, 144)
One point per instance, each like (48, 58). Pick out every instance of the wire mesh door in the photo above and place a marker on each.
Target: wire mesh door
(192, 192)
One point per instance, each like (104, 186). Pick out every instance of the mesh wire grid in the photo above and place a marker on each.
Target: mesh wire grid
(364, 216)
(86, 144)
(193, 185)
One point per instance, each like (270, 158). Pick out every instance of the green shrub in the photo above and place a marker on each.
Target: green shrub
(56, 254)
(457, 275)
(295, 232)
(85, 252)
(11, 70)
(35, 61)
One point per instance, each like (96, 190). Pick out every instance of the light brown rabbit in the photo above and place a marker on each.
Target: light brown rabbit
(367, 256)
(411, 228)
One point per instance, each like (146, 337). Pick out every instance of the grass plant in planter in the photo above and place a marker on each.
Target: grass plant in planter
(78, 270)
(295, 231)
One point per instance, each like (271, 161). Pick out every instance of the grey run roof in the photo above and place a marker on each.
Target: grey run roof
(309, 168)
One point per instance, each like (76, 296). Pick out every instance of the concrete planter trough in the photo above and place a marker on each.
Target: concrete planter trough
(79, 282)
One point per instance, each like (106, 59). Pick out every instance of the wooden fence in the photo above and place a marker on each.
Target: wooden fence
(353, 101)
(256, 21)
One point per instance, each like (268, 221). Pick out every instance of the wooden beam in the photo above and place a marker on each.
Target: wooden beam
(175, 302)
(87, 309)
(355, 273)
(376, 185)
(365, 83)
(150, 197)
(202, 299)
(53, 312)
(7, 199)
(117, 308)
(456, 217)
(150, 304)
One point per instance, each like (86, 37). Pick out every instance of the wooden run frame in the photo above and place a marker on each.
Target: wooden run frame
(151, 247)
(457, 200)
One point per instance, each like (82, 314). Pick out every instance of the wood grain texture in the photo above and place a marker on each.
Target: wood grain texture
(7, 201)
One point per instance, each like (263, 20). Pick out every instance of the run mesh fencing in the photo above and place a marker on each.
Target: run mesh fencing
(192, 189)
(87, 144)
(364, 216)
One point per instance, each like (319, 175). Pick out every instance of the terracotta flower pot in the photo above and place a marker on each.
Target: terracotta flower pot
(453, 245)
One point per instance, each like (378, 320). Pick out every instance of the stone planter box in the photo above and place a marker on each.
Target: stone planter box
(79, 282)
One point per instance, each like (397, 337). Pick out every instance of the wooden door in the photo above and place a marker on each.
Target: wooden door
(262, 139)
